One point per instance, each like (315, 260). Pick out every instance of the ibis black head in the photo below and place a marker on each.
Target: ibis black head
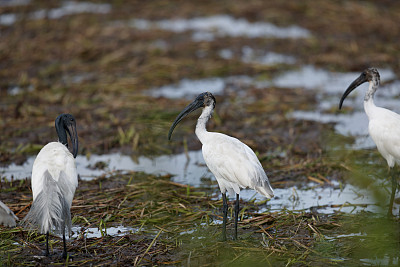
(65, 123)
(368, 75)
(202, 100)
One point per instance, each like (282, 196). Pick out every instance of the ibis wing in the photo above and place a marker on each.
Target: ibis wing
(386, 135)
(50, 209)
(234, 162)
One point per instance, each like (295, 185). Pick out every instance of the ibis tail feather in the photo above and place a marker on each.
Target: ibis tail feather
(265, 191)
(50, 211)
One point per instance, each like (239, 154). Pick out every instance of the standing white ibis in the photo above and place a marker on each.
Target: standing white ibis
(54, 180)
(232, 162)
(7, 217)
(384, 124)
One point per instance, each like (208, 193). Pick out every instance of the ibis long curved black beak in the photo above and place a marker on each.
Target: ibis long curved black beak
(71, 130)
(357, 82)
(198, 103)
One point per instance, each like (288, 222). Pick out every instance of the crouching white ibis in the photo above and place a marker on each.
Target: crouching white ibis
(232, 162)
(54, 180)
(7, 217)
(383, 127)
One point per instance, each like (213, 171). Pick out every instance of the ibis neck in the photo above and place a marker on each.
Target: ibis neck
(201, 130)
(369, 104)
(373, 86)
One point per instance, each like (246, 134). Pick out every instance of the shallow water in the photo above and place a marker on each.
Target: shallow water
(185, 170)
(385, 261)
(191, 169)
(209, 28)
(321, 199)
(94, 232)
(189, 89)
(66, 8)
(71, 8)
(14, 2)
(250, 55)
(329, 87)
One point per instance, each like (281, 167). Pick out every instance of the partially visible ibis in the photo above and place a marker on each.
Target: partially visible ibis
(54, 180)
(383, 127)
(7, 217)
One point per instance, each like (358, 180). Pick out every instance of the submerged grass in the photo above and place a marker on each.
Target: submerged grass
(174, 224)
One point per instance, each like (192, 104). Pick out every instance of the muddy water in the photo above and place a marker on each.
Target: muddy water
(65, 9)
(210, 28)
(94, 232)
(328, 87)
(190, 169)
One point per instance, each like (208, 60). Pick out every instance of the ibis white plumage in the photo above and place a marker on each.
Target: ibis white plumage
(7, 217)
(232, 162)
(384, 124)
(54, 181)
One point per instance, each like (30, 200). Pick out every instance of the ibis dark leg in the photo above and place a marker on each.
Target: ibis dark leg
(46, 253)
(236, 214)
(394, 187)
(225, 213)
(65, 253)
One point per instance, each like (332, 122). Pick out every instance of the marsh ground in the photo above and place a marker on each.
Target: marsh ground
(101, 68)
